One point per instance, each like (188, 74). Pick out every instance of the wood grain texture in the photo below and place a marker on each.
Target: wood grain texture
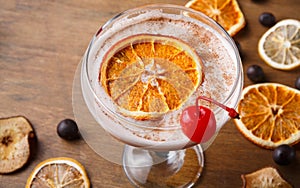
(41, 44)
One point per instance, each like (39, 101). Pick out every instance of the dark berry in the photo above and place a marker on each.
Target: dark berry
(256, 74)
(259, 1)
(297, 83)
(267, 19)
(238, 45)
(284, 154)
(67, 129)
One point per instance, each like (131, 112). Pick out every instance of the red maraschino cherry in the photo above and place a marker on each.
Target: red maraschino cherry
(198, 123)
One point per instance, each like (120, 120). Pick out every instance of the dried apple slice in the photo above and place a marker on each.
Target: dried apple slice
(16, 134)
(265, 177)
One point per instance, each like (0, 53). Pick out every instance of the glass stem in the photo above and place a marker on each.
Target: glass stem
(167, 162)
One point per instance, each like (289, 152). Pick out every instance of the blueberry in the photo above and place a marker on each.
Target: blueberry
(238, 45)
(256, 74)
(284, 154)
(297, 83)
(67, 129)
(259, 1)
(267, 19)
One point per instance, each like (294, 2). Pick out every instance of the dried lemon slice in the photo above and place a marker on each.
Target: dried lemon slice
(279, 47)
(16, 134)
(150, 75)
(226, 12)
(270, 115)
(58, 172)
(267, 177)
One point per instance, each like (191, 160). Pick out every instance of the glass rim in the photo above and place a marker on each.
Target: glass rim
(223, 32)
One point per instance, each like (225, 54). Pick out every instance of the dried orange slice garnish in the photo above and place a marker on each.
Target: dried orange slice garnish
(270, 114)
(265, 177)
(226, 12)
(279, 47)
(16, 136)
(58, 172)
(150, 75)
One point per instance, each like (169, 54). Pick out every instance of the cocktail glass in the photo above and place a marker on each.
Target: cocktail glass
(155, 154)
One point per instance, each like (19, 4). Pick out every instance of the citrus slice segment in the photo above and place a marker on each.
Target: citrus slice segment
(226, 12)
(58, 172)
(279, 47)
(16, 134)
(150, 75)
(269, 115)
(265, 177)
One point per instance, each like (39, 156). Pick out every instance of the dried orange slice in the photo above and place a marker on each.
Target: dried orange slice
(59, 172)
(279, 47)
(265, 177)
(16, 134)
(270, 114)
(226, 12)
(150, 75)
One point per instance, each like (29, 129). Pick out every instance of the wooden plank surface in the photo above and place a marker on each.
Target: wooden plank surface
(41, 44)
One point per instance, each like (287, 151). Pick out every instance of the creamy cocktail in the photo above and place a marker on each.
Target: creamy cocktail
(221, 75)
(140, 73)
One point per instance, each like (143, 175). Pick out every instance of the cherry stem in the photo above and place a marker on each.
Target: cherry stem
(231, 112)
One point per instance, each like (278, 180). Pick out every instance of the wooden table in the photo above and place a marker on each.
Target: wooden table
(41, 44)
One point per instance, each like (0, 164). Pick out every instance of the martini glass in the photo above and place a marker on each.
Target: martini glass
(155, 153)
